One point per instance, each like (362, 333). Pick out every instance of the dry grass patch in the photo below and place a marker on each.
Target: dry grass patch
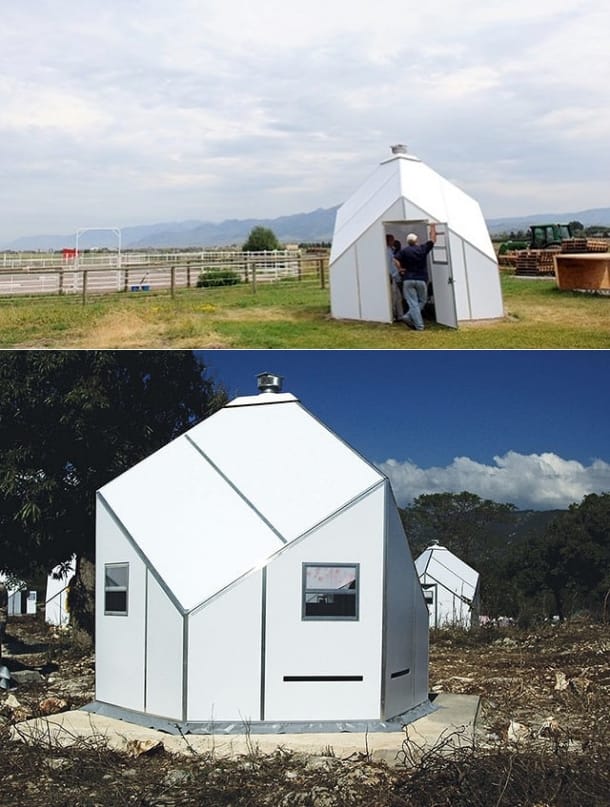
(122, 329)
(258, 315)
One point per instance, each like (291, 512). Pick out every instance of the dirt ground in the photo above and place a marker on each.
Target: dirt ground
(543, 735)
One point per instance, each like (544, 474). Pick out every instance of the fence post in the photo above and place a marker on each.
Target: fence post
(322, 282)
(172, 280)
(253, 278)
(126, 281)
(188, 274)
(61, 280)
(84, 286)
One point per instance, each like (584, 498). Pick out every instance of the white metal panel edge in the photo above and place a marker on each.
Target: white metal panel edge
(224, 656)
(307, 649)
(119, 640)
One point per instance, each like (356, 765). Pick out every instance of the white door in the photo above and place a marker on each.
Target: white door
(442, 279)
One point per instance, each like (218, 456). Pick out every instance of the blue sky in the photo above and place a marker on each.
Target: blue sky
(527, 427)
(120, 113)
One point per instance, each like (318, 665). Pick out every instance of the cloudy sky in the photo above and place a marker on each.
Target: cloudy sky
(117, 113)
(526, 427)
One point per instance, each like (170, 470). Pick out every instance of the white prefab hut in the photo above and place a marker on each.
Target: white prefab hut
(21, 600)
(252, 572)
(402, 196)
(56, 609)
(450, 586)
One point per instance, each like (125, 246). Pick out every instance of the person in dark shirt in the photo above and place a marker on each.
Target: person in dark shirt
(412, 261)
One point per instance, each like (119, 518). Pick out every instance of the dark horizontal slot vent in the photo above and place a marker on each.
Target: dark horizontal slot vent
(323, 678)
(400, 673)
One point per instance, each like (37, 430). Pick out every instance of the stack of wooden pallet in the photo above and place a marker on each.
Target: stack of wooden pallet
(571, 245)
(597, 245)
(535, 262)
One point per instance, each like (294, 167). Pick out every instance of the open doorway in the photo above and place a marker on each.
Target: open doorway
(441, 306)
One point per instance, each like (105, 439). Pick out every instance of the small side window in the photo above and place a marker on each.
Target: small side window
(116, 588)
(330, 591)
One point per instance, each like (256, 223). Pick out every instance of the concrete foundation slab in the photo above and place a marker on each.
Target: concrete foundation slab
(454, 715)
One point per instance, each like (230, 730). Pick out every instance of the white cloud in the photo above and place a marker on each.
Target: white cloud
(503, 100)
(529, 481)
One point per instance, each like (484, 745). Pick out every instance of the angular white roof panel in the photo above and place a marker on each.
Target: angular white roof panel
(194, 528)
(284, 461)
(219, 500)
(441, 565)
(405, 176)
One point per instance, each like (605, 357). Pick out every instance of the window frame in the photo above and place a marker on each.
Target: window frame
(116, 589)
(305, 591)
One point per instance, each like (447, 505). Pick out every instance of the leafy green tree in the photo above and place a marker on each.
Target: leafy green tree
(70, 421)
(261, 239)
(571, 560)
(476, 530)
(462, 522)
(576, 227)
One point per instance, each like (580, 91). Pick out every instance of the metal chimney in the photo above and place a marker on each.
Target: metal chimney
(399, 149)
(268, 382)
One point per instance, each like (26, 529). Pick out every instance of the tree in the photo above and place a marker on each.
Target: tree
(476, 530)
(576, 227)
(70, 421)
(462, 522)
(261, 239)
(571, 560)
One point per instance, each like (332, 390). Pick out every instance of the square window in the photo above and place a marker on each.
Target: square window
(116, 588)
(330, 591)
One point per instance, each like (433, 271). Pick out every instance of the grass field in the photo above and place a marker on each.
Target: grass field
(537, 315)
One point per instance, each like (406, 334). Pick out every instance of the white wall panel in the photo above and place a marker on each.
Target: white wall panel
(485, 288)
(308, 648)
(372, 266)
(293, 469)
(460, 277)
(164, 654)
(405, 642)
(224, 655)
(343, 279)
(119, 640)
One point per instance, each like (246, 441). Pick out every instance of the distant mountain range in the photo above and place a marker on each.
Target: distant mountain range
(318, 225)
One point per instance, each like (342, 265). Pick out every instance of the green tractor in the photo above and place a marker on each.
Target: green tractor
(541, 236)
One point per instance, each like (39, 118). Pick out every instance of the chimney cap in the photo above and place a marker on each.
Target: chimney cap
(399, 148)
(269, 382)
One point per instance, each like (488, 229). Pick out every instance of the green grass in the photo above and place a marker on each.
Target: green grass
(538, 315)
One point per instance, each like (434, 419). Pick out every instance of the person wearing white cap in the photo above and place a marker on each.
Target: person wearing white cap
(413, 265)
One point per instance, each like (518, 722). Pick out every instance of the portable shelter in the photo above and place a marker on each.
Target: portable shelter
(450, 586)
(404, 195)
(56, 610)
(255, 571)
(21, 600)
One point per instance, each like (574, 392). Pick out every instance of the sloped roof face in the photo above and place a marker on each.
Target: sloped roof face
(405, 176)
(219, 500)
(439, 564)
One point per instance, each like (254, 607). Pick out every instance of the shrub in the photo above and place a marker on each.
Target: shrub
(217, 277)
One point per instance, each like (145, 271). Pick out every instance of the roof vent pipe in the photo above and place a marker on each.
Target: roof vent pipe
(268, 382)
(399, 149)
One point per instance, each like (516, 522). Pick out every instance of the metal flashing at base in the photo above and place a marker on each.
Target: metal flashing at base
(260, 727)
